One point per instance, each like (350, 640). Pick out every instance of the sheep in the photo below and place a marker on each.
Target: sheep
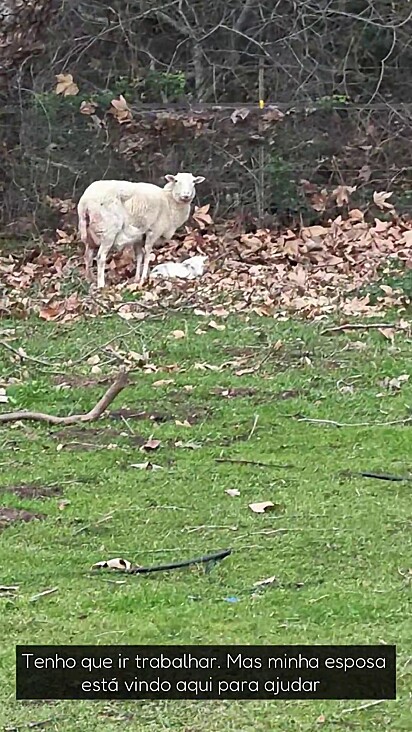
(118, 213)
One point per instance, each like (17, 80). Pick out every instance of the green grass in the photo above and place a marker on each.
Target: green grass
(341, 549)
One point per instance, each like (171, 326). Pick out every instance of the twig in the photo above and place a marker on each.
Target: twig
(208, 526)
(363, 706)
(255, 421)
(24, 356)
(29, 725)
(93, 525)
(359, 326)
(408, 420)
(185, 563)
(43, 594)
(251, 462)
(94, 414)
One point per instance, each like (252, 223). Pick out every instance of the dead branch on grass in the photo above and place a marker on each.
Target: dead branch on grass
(360, 326)
(91, 416)
(251, 462)
(332, 422)
(22, 355)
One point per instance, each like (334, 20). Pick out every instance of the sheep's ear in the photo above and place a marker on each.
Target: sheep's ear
(198, 180)
(170, 178)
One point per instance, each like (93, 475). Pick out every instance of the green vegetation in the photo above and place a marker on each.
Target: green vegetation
(339, 545)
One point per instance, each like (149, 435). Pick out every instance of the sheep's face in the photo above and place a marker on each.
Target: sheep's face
(183, 185)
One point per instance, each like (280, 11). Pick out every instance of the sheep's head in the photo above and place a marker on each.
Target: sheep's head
(182, 186)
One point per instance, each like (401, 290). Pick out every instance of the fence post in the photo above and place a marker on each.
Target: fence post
(261, 186)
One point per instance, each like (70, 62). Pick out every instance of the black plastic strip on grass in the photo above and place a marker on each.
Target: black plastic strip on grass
(185, 563)
(381, 476)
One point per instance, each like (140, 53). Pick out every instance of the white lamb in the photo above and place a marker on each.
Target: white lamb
(117, 213)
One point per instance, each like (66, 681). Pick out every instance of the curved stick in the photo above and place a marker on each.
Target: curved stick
(95, 413)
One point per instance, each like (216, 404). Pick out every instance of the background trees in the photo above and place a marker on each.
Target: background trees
(336, 75)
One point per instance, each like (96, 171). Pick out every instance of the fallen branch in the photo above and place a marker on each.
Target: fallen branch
(251, 462)
(332, 422)
(185, 563)
(360, 326)
(23, 356)
(94, 414)
(34, 598)
(363, 706)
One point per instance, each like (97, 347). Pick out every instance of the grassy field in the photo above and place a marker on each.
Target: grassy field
(339, 544)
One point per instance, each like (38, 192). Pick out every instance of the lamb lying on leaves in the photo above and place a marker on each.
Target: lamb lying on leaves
(114, 214)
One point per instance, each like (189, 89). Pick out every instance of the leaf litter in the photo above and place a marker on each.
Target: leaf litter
(314, 271)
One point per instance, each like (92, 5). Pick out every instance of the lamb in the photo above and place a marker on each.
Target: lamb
(118, 213)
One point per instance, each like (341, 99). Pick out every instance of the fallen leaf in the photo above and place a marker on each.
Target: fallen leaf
(118, 563)
(356, 215)
(395, 383)
(95, 369)
(3, 396)
(188, 445)
(216, 326)
(186, 423)
(146, 466)
(66, 86)
(388, 333)
(63, 504)
(315, 231)
(342, 193)
(88, 107)
(163, 382)
(380, 199)
(201, 215)
(261, 507)
(267, 581)
(120, 110)
(178, 334)
(407, 238)
(93, 360)
(242, 372)
(150, 445)
(233, 492)
(241, 113)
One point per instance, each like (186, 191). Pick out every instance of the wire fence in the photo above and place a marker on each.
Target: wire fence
(280, 161)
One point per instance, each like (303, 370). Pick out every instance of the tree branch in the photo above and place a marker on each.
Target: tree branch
(94, 414)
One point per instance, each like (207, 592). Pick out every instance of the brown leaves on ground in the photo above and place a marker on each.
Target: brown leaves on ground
(262, 506)
(120, 110)
(314, 272)
(65, 85)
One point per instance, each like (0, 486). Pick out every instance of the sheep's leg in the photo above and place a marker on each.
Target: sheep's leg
(88, 259)
(149, 242)
(139, 249)
(104, 250)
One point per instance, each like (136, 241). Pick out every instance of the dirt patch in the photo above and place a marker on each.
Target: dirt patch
(88, 434)
(30, 490)
(10, 516)
(140, 414)
(81, 381)
(288, 394)
(236, 391)
(182, 413)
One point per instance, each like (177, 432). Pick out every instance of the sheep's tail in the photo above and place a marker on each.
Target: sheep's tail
(84, 220)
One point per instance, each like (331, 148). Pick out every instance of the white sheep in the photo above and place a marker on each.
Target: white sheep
(118, 213)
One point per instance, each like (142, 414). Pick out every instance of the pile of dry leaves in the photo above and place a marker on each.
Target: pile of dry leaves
(314, 272)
